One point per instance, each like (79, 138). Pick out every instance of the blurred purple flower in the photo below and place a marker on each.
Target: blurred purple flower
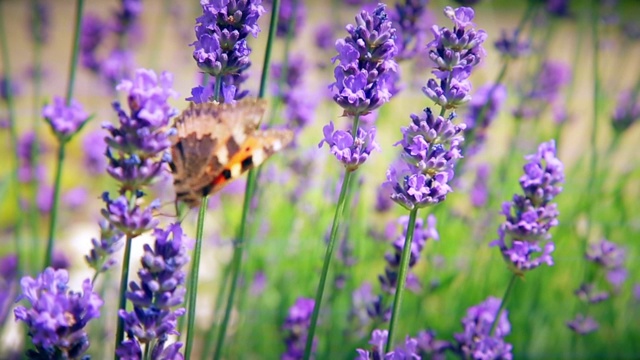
(509, 45)
(65, 120)
(9, 88)
(476, 341)
(75, 198)
(290, 10)
(324, 36)
(421, 234)
(8, 284)
(480, 190)
(406, 351)
(95, 147)
(26, 148)
(99, 258)
(627, 111)
(611, 258)
(483, 109)
(429, 347)
(40, 21)
(529, 217)
(583, 325)
(296, 327)
(56, 317)
(366, 63)
(160, 290)
(117, 66)
(91, 36)
(44, 198)
(545, 89)
(411, 20)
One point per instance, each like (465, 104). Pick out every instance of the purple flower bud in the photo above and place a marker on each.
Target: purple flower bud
(509, 45)
(131, 221)
(64, 120)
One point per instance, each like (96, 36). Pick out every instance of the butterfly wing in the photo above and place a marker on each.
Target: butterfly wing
(208, 136)
(254, 151)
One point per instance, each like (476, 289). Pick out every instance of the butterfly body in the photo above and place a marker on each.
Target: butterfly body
(216, 143)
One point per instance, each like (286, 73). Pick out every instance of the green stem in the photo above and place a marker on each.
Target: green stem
(217, 87)
(13, 135)
(70, 84)
(54, 205)
(34, 215)
(402, 277)
(208, 345)
(122, 299)
(505, 297)
(193, 280)
(236, 260)
(594, 124)
(337, 217)
(73, 67)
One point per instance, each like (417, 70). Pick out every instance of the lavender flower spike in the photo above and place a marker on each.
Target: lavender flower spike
(529, 217)
(454, 54)
(477, 342)
(365, 73)
(65, 121)
(349, 151)
(160, 290)
(56, 317)
(431, 146)
(296, 327)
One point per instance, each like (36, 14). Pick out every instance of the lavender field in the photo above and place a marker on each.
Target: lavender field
(297, 179)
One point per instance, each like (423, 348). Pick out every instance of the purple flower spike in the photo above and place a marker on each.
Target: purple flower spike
(406, 351)
(349, 151)
(509, 45)
(8, 284)
(431, 147)
(421, 234)
(627, 111)
(583, 325)
(524, 236)
(366, 71)
(476, 342)
(131, 221)
(65, 121)
(483, 109)
(296, 327)
(221, 45)
(56, 317)
(99, 258)
(410, 18)
(611, 258)
(155, 298)
(545, 90)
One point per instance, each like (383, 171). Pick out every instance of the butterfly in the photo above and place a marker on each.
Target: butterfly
(216, 143)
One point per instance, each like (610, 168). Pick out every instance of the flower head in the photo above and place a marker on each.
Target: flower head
(476, 341)
(524, 236)
(364, 74)
(350, 151)
(545, 90)
(410, 18)
(65, 120)
(56, 317)
(296, 327)
(509, 45)
(160, 290)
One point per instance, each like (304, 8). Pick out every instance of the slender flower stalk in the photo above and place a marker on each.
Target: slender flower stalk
(432, 144)
(62, 141)
(193, 279)
(13, 135)
(236, 261)
(363, 78)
